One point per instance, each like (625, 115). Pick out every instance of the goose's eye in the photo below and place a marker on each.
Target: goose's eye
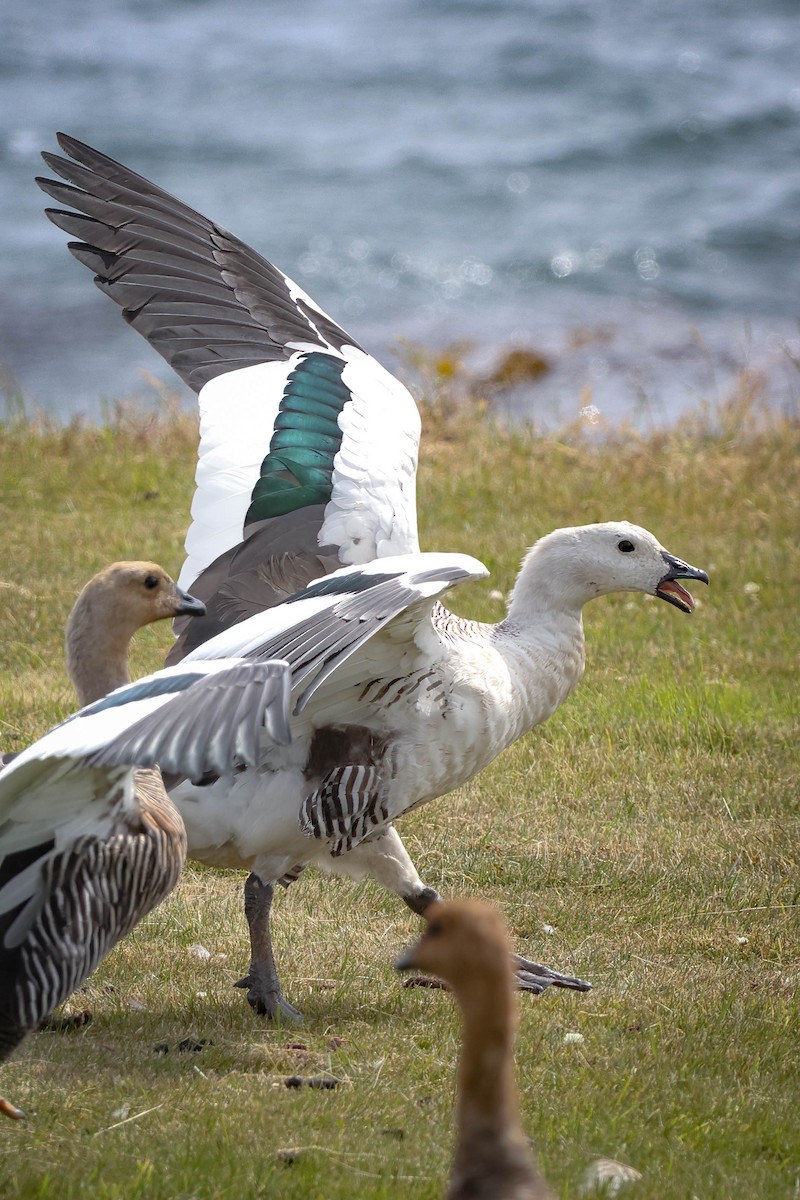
(151, 582)
(626, 547)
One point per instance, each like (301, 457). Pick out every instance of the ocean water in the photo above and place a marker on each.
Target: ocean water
(614, 183)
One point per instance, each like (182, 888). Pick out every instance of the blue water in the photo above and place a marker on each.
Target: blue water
(615, 183)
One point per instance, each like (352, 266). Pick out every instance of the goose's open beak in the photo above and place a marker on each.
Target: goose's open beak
(189, 605)
(670, 590)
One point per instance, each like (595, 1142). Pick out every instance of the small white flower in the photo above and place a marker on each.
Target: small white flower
(198, 951)
(743, 940)
(549, 928)
(751, 588)
(573, 1038)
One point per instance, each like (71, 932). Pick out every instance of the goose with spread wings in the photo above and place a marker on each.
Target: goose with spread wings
(89, 844)
(303, 544)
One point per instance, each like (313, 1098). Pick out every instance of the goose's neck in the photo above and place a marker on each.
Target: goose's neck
(97, 643)
(547, 589)
(488, 1121)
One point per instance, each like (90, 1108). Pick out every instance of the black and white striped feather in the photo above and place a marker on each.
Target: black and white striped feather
(89, 844)
(320, 628)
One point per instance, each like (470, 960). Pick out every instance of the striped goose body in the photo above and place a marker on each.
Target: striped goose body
(303, 545)
(88, 844)
(97, 890)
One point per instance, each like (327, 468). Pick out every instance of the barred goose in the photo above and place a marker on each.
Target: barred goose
(87, 846)
(466, 944)
(303, 545)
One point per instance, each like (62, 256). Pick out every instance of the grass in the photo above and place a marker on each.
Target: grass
(652, 823)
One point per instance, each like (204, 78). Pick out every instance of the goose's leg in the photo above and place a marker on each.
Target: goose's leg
(263, 985)
(386, 859)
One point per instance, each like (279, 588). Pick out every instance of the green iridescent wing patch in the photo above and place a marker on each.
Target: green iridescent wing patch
(298, 469)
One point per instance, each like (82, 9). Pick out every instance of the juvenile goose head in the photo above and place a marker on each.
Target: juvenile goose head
(116, 602)
(466, 944)
(571, 566)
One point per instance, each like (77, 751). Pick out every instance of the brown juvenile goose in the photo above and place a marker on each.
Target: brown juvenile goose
(113, 605)
(466, 944)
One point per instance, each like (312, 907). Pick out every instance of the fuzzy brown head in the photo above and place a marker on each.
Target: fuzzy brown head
(137, 593)
(464, 940)
(115, 603)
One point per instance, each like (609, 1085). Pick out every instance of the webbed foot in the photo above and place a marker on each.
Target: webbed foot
(533, 977)
(265, 997)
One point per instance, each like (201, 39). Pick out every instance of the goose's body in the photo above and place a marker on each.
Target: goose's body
(423, 705)
(307, 468)
(88, 844)
(466, 944)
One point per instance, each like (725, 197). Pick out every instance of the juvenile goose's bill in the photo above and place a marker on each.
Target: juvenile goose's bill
(670, 590)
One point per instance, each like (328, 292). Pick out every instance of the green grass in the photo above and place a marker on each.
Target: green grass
(653, 823)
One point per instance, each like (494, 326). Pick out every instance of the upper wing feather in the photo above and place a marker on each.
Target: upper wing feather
(153, 255)
(78, 780)
(325, 624)
(301, 430)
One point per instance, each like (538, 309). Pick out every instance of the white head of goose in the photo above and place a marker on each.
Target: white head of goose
(303, 545)
(466, 944)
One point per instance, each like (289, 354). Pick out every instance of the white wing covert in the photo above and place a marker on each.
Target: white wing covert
(78, 780)
(324, 625)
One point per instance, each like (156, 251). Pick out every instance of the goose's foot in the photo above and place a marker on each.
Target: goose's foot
(10, 1110)
(65, 1022)
(533, 977)
(264, 993)
(265, 997)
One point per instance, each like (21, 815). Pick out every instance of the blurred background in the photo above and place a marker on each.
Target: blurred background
(612, 185)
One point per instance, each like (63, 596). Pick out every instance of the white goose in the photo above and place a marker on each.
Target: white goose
(307, 468)
(87, 846)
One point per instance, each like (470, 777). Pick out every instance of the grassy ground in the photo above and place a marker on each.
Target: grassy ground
(652, 823)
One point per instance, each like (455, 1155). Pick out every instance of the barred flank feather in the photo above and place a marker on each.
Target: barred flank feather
(345, 807)
(95, 893)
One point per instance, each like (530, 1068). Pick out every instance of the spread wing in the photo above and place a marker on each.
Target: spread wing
(328, 623)
(308, 447)
(78, 780)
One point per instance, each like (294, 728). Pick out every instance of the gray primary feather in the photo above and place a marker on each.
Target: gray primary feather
(202, 298)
